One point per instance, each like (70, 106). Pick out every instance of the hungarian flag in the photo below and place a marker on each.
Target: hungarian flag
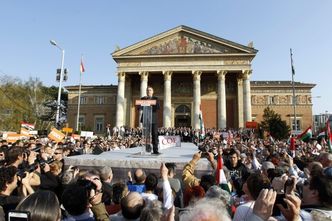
(201, 123)
(82, 66)
(321, 135)
(27, 126)
(220, 175)
(328, 136)
(306, 135)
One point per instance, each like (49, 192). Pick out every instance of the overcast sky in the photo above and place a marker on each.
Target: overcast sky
(96, 28)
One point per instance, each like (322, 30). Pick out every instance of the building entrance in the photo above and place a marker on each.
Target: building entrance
(183, 116)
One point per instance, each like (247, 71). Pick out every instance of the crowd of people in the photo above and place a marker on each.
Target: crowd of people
(263, 180)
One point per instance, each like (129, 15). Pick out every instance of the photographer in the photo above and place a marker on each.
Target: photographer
(80, 197)
(189, 179)
(9, 181)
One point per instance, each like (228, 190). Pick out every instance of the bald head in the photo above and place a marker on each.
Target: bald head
(139, 176)
(132, 205)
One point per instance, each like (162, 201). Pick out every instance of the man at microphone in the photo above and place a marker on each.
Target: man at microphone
(154, 129)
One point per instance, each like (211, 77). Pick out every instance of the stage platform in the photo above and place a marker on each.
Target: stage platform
(129, 159)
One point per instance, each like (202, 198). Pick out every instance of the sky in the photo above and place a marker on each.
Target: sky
(95, 29)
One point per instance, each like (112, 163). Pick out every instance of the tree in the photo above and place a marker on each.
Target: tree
(273, 124)
(24, 101)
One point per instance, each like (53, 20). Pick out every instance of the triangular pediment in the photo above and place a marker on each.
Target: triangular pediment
(184, 41)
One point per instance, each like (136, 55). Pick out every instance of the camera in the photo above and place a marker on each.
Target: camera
(89, 185)
(42, 162)
(29, 168)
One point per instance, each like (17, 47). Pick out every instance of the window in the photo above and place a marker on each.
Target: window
(99, 124)
(99, 100)
(81, 122)
(83, 100)
(298, 124)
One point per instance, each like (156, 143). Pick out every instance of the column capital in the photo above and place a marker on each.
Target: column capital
(239, 81)
(221, 74)
(122, 76)
(167, 75)
(197, 75)
(246, 74)
(144, 75)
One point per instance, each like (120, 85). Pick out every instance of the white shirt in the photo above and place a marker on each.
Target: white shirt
(244, 211)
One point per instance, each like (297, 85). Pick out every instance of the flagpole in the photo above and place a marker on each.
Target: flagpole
(293, 84)
(79, 100)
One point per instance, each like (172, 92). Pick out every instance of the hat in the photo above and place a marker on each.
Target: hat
(243, 155)
(267, 165)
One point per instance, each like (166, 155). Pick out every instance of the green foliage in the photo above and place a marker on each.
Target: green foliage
(23, 101)
(273, 124)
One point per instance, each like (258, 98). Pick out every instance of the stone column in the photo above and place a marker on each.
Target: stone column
(246, 95)
(240, 100)
(144, 82)
(128, 103)
(167, 113)
(197, 97)
(144, 85)
(221, 99)
(120, 101)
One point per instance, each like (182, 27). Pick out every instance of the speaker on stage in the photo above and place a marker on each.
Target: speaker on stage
(97, 150)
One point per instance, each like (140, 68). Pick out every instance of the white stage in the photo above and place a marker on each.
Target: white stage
(129, 159)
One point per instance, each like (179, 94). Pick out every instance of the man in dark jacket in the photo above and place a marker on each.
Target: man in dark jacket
(154, 126)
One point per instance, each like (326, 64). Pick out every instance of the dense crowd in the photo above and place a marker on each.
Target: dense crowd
(250, 179)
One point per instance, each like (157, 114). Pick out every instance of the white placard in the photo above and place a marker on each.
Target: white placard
(86, 133)
(169, 141)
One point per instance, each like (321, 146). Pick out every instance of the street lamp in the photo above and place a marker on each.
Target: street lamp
(57, 118)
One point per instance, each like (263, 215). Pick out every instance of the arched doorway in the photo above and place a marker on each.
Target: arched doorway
(183, 116)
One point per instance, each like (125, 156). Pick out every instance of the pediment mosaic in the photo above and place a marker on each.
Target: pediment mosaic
(183, 43)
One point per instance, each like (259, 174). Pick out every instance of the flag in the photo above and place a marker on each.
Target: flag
(321, 135)
(27, 126)
(220, 175)
(201, 123)
(293, 69)
(82, 66)
(328, 136)
(306, 135)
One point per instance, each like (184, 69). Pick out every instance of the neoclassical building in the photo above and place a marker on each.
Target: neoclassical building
(191, 70)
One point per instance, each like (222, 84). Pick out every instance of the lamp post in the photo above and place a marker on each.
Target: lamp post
(57, 118)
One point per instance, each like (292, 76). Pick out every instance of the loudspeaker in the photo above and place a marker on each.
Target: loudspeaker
(97, 150)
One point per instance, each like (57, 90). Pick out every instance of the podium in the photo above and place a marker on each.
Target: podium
(146, 120)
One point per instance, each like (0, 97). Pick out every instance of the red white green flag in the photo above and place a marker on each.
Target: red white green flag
(220, 175)
(201, 124)
(306, 135)
(328, 136)
(82, 69)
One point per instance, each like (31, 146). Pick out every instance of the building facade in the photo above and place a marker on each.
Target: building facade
(97, 107)
(191, 71)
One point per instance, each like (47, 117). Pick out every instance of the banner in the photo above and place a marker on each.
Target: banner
(76, 136)
(169, 141)
(86, 134)
(25, 132)
(56, 135)
(67, 130)
(251, 124)
(12, 138)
